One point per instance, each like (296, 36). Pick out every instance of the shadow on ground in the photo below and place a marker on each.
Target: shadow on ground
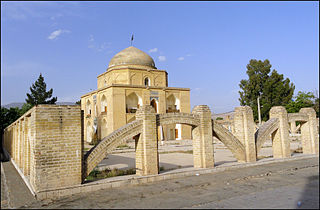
(310, 195)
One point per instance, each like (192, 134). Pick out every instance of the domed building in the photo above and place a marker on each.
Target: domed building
(130, 81)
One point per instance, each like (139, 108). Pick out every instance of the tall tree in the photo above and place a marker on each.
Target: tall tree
(39, 93)
(272, 89)
(301, 100)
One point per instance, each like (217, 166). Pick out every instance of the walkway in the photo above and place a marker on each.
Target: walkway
(293, 183)
(14, 192)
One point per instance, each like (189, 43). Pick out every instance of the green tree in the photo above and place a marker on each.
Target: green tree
(272, 89)
(78, 102)
(39, 93)
(301, 100)
(8, 116)
(25, 107)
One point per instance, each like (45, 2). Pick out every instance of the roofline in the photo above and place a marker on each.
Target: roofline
(136, 86)
(130, 68)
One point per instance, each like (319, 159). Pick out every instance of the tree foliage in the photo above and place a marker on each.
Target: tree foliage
(39, 93)
(8, 116)
(302, 100)
(271, 88)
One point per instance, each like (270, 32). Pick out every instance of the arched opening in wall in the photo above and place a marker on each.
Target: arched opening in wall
(173, 104)
(146, 81)
(221, 141)
(89, 132)
(88, 108)
(120, 162)
(154, 104)
(266, 150)
(133, 102)
(295, 137)
(103, 104)
(175, 154)
(103, 128)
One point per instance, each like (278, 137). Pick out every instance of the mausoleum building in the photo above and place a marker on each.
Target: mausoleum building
(130, 81)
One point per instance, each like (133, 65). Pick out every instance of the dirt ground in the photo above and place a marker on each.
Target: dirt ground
(178, 154)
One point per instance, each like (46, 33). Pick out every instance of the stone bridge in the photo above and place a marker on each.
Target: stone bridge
(244, 143)
(109, 143)
(178, 118)
(229, 140)
(264, 132)
(147, 160)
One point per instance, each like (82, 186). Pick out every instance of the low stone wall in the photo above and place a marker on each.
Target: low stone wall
(45, 145)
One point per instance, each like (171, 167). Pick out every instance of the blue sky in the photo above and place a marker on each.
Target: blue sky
(204, 46)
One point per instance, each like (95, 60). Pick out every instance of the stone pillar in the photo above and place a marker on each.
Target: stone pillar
(293, 127)
(18, 162)
(309, 132)
(147, 161)
(202, 139)
(25, 146)
(280, 138)
(244, 130)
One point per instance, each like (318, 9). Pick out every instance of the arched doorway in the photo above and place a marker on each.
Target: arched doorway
(133, 102)
(89, 132)
(88, 108)
(103, 102)
(153, 103)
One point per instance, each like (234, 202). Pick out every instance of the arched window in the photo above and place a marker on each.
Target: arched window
(103, 102)
(88, 108)
(153, 103)
(133, 102)
(173, 104)
(89, 132)
(147, 81)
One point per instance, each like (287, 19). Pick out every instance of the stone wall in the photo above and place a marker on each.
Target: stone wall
(45, 144)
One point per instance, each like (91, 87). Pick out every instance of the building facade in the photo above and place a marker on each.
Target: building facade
(132, 80)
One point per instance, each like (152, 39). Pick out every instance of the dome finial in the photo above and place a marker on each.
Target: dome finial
(131, 39)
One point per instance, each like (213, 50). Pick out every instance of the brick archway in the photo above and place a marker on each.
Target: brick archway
(108, 144)
(229, 140)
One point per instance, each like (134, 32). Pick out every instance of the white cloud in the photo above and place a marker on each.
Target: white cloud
(55, 16)
(57, 33)
(162, 58)
(153, 50)
(91, 38)
(97, 47)
(181, 58)
(40, 9)
(189, 55)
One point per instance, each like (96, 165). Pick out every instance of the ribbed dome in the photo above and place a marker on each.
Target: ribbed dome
(132, 56)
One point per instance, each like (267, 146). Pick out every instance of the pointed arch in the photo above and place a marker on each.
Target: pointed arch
(103, 104)
(88, 107)
(133, 102)
(173, 104)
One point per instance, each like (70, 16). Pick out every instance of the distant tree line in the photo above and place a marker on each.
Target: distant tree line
(272, 90)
